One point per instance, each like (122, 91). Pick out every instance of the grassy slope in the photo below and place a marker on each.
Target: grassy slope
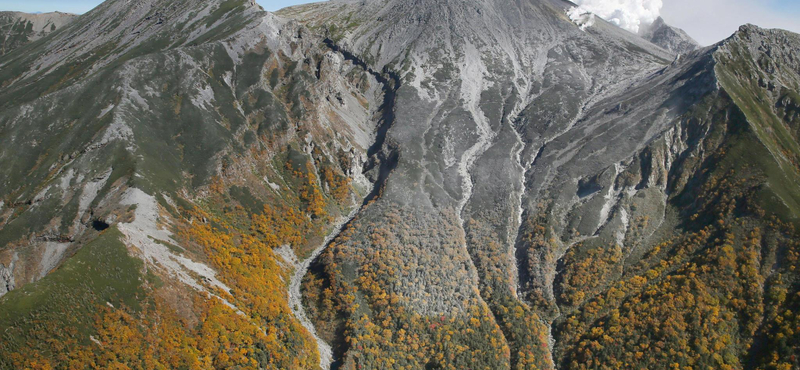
(99, 273)
(772, 132)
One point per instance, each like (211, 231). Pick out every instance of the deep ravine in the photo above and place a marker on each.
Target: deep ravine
(296, 297)
(380, 154)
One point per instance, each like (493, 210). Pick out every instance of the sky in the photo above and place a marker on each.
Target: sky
(708, 21)
(82, 6)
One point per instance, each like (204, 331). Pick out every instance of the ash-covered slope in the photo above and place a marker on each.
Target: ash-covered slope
(670, 38)
(471, 72)
(18, 29)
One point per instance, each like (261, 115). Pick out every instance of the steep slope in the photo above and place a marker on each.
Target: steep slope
(18, 29)
(670, 38)
(725, 229)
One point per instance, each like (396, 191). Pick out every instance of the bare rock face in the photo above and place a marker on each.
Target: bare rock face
(428, 184)
(18, 29)
(670, 38)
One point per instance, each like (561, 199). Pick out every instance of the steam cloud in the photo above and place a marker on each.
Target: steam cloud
(628, 14)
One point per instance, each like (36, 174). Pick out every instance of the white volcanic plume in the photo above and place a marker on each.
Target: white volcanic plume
(628, 14)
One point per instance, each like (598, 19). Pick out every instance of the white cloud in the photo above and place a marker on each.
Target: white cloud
(628, 14)
(581, 17)
(708, 21)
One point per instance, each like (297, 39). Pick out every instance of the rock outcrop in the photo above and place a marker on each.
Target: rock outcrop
(668, 37)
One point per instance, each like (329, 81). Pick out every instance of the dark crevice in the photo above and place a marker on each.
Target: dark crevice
(99, 225)
(383, 157)
(55, 238)
(538, 155)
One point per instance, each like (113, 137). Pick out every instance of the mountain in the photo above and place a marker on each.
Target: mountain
(199, 126)
(371, 184)
(21, 28)
(670, 38)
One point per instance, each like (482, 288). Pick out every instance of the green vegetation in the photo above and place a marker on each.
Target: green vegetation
(56, 314)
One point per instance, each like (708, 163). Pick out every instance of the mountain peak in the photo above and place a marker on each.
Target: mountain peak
(670, 38)
(511, 26)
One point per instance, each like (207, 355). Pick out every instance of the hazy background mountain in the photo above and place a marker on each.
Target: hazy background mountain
(21, 28)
